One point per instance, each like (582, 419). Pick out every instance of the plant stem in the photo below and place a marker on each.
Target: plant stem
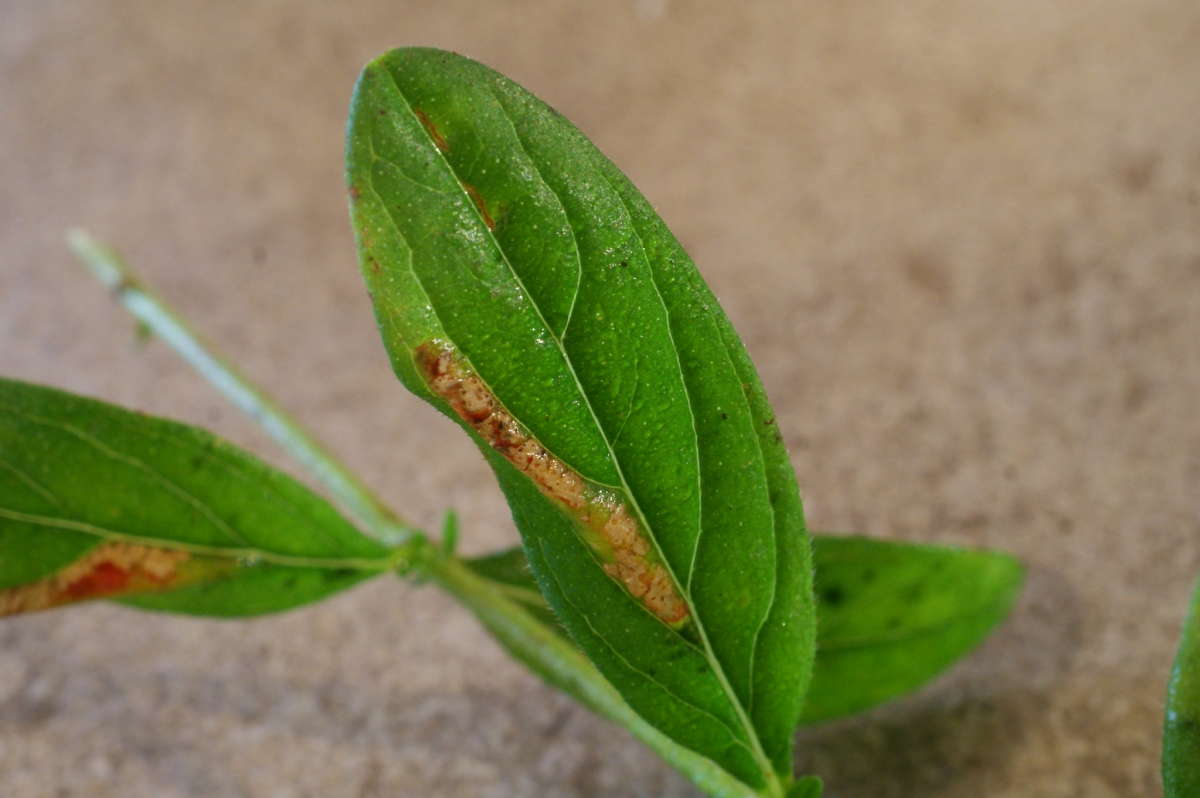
(374, 516)
(553, 657)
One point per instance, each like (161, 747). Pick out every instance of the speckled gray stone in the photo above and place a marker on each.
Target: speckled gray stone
(961, 240)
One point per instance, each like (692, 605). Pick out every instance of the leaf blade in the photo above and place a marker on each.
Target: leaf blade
(101, 502)
(474, 207)
(1181, 728)
(894, 615)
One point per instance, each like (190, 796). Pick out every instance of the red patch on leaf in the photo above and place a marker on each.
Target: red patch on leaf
(104, 579)
(110, 569)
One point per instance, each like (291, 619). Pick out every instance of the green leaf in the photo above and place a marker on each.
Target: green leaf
(894, 615)
(524, 287)
(890, 616)
(1181, 735)
(101, 502)
(808, 787)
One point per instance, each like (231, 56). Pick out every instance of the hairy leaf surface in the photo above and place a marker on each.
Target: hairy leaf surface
(894, 615)
(527, 289)
(1181, 736)
(101, 502)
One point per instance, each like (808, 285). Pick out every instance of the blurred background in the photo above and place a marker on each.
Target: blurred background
(962, 242)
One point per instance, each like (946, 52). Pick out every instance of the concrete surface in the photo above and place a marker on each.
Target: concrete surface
(962, 240)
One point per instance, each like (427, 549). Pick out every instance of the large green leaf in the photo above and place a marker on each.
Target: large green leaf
(525, 287)
(890, 615)
(894, 615)
(101, 502)
(1181, 736)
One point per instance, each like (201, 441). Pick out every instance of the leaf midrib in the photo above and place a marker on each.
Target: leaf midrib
(748, 710)
(394, 559)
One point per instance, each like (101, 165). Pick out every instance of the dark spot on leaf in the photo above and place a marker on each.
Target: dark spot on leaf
(354, 193)
(724, 416)
(624, 264)
(833, 596)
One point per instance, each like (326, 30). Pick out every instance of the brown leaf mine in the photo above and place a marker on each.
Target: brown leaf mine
(608, 526)
(477, 198)
(110, 569)
(438, 140)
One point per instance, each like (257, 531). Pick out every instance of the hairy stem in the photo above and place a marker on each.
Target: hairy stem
(347, 489)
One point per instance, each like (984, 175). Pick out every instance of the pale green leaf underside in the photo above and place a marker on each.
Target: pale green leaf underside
(488, 224)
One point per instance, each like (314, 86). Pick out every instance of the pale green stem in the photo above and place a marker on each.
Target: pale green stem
(376, 518)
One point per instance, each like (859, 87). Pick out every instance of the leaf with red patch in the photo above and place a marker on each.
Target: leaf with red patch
(97, 502)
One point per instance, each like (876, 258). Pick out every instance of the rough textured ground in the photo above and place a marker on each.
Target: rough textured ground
(962, 240)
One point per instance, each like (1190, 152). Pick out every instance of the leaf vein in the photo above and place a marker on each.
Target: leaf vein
(113, 454)
(648, 677)
(246, 553)
(32, 483)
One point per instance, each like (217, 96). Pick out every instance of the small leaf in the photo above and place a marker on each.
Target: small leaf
(1181, 735)
(101, 502)
(525, 288)
(894, 615)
